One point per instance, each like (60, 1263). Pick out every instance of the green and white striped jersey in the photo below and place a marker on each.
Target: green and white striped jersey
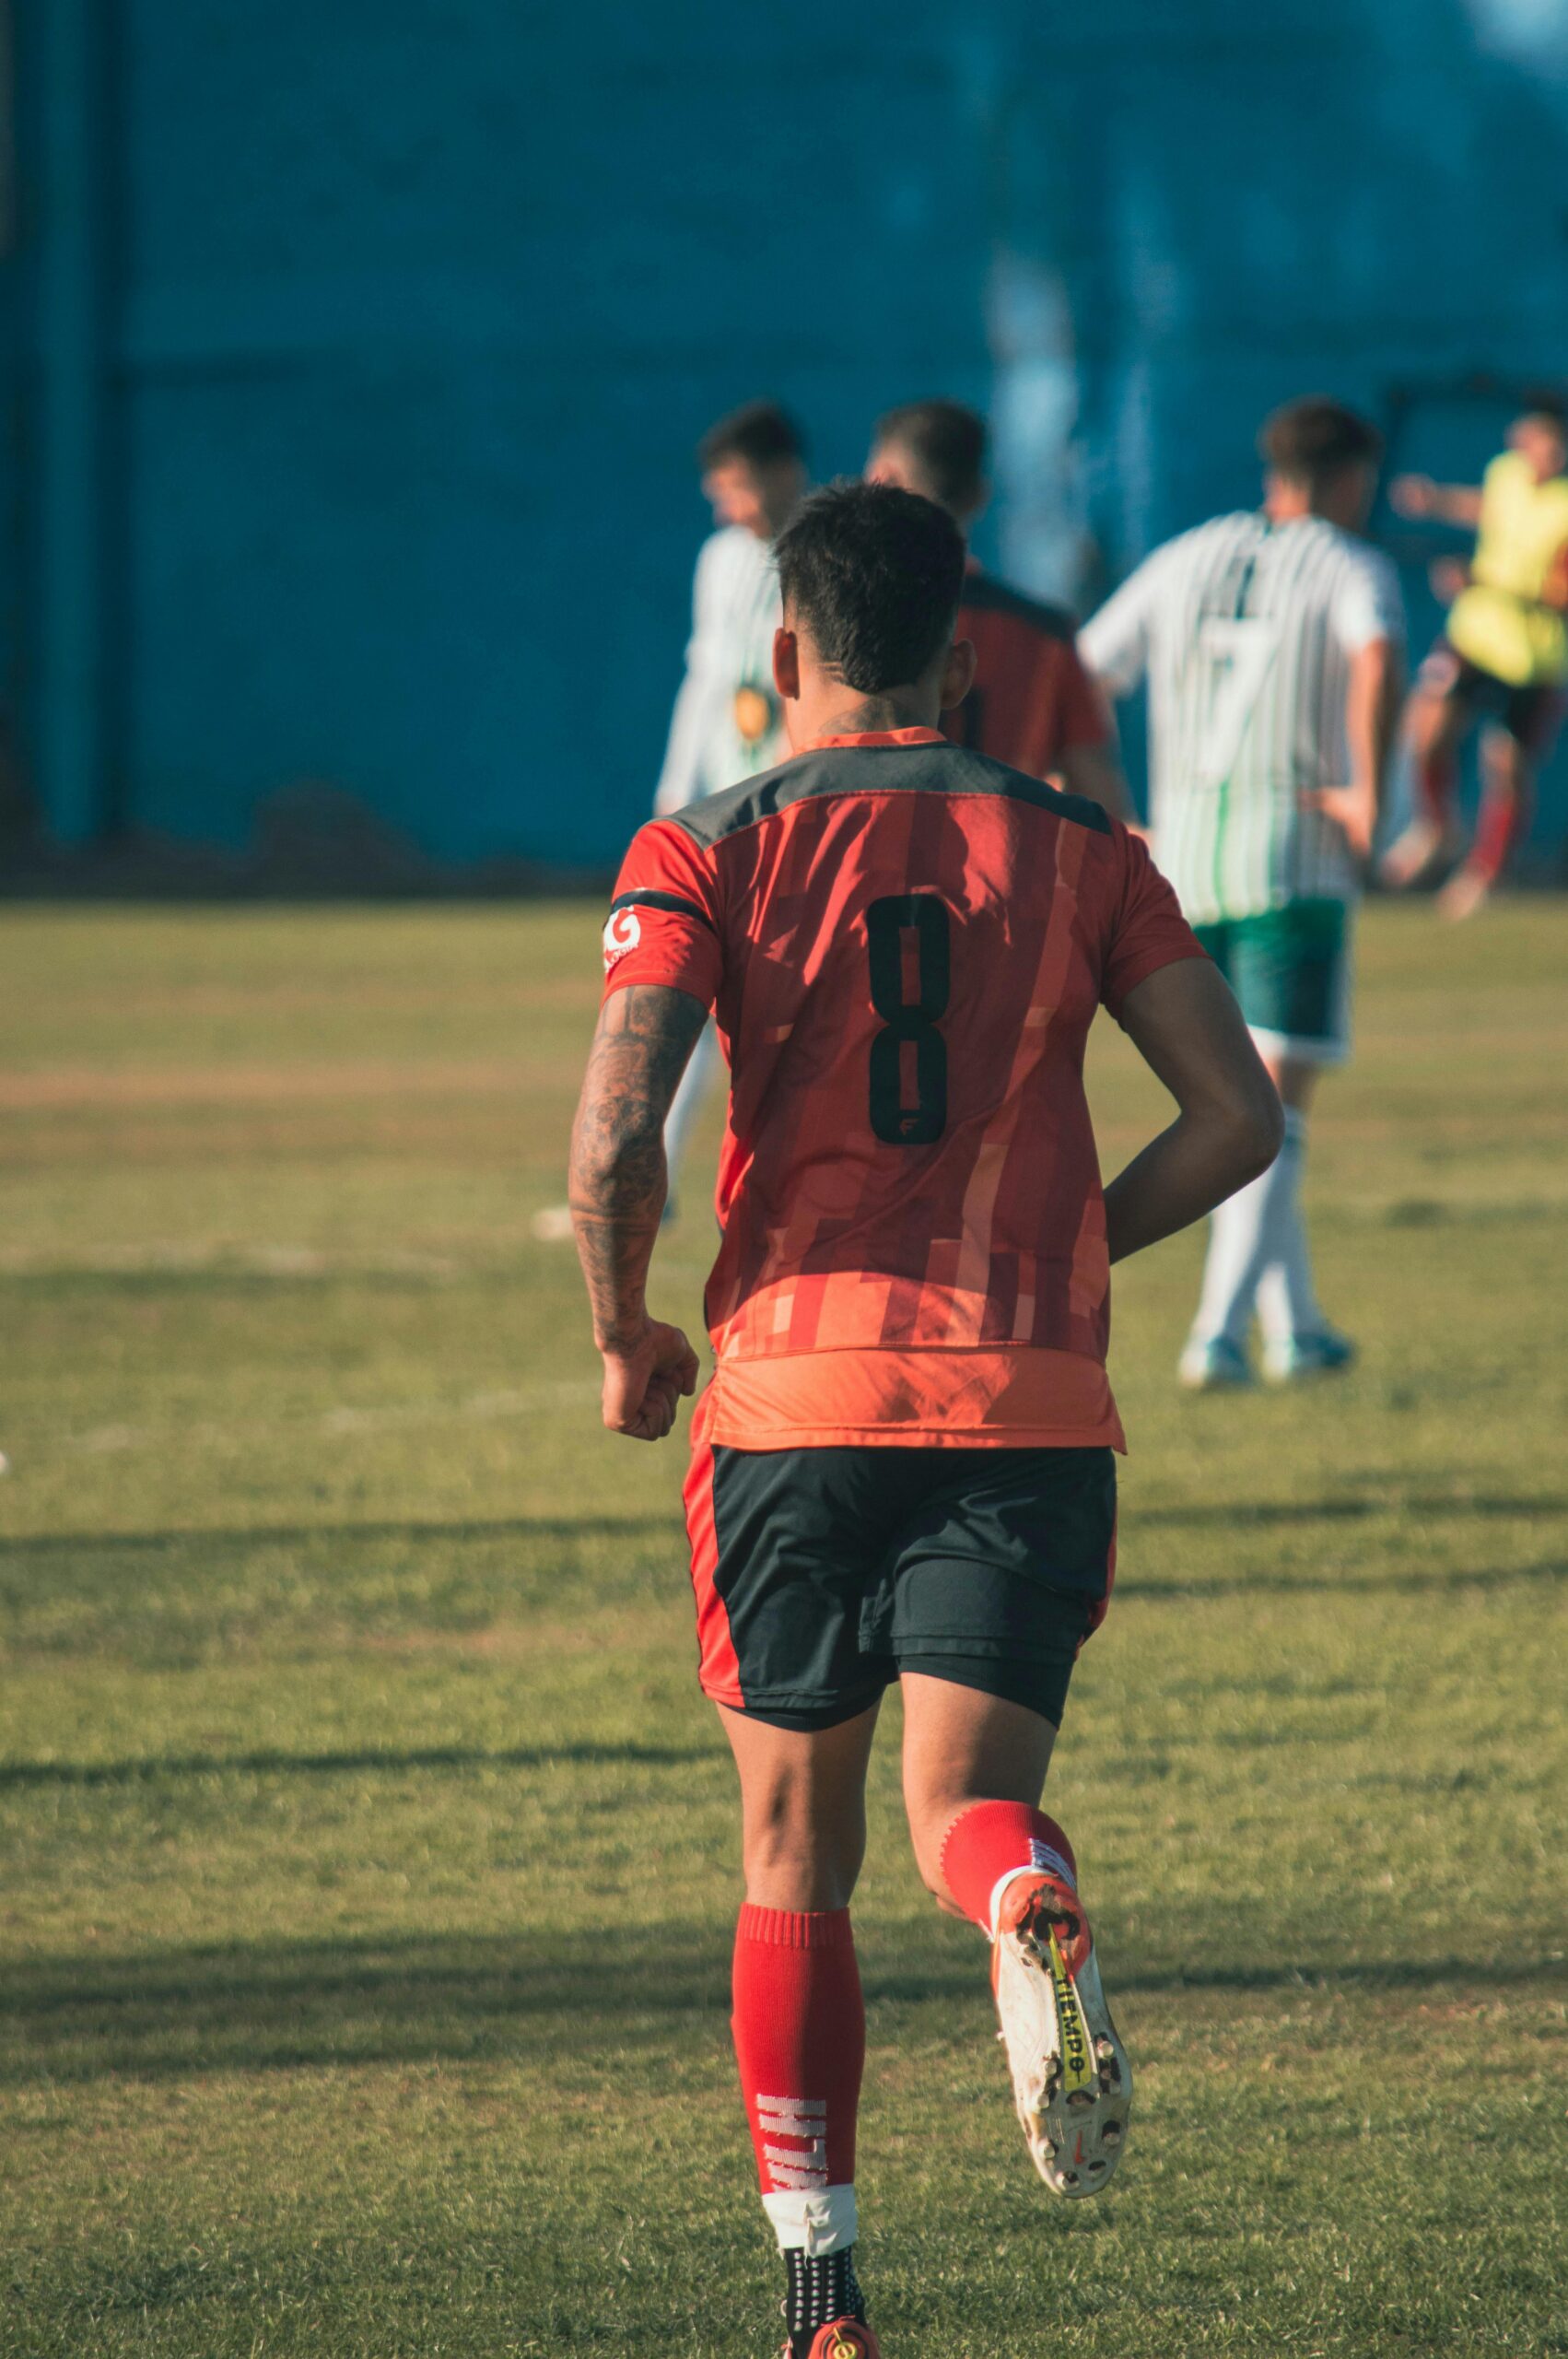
(728, 724)
(1247, 629)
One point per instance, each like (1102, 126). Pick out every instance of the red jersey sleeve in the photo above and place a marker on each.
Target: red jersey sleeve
(665, 921)
(1147, 929)
(1085, 713)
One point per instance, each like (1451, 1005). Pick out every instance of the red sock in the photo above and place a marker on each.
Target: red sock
(800, 2027)
(991, 1841)
(1502, 823)
(1436, 777)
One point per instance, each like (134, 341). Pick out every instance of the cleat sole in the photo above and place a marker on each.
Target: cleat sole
(1071, 2080)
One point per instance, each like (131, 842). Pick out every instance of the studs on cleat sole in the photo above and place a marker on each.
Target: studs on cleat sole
(1069, 2073)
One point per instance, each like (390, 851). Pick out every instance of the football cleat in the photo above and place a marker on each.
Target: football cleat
(1213, 1366)
(1322, 1354)
(1468, 890)
(1071, 2081)
(840, 2338)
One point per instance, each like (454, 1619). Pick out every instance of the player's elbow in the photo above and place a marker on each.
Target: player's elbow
(616, 1164)
(1244, 1122)
(1254, 1126)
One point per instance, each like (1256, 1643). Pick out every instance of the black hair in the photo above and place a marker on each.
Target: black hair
(1548, 402)
(1316, 437)
(873, 576)
(947, 442)
(760, 433)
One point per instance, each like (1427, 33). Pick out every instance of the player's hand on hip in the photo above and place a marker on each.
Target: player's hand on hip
(645, 1380)
(1352, 809)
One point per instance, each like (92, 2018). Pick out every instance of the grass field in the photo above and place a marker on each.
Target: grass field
(368, 1855)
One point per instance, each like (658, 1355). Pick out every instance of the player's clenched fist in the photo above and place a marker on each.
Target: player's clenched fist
(645, 1381)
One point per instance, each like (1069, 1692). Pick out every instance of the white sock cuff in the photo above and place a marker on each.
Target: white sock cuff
(1041, 1856)
(822, 2221)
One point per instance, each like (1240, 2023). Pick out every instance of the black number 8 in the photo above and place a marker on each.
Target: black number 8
(887, 923)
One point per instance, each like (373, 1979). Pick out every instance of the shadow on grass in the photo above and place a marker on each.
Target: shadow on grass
(1245, 1515)
(1254, 1514)
(300, 2005)
(297, 1535)
(1184, 1588)
(305, 1764)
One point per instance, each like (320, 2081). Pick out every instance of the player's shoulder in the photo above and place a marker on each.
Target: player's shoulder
(1216, 539)
(973, 773)
(1236, 524)
(1356, 560)
(986, 593)
(732, 809)
(1231, 525)
(731, 550)
(938, 767)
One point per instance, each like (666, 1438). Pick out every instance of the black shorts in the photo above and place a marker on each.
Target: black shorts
(1531, 716)
(821, 1574)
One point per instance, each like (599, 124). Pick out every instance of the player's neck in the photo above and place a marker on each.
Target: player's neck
(1308, 503)
(842, 714)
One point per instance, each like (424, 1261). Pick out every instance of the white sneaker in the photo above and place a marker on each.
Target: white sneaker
(1072, 2081)
(1214, 1364)
(1324, 1352)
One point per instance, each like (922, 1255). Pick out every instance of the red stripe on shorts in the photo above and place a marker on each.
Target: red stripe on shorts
(719, 1673)
(1103, 1606)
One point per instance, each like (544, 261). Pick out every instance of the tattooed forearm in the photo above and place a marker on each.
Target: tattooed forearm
(646, 1034)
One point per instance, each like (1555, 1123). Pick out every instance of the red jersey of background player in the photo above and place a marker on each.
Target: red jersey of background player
(905, 944)
(1033, 695)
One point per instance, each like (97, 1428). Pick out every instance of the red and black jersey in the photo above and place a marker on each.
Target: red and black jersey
(1033, 695)
(905, 945)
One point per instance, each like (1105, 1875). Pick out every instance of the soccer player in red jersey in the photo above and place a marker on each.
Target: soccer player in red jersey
(904, 1465)
(1034, 704)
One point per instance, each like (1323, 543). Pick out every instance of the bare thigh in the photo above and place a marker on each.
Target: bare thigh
(802, 1809)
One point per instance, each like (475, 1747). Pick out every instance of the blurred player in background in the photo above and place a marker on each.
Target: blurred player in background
(1032, 705)
(902, 1467)
(1502, 658)
(727, 724)
(1272, 642)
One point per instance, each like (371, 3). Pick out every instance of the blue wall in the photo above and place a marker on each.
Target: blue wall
(356, 349)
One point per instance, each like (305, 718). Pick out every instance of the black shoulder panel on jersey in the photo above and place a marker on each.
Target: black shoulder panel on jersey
(986, 593)
(1080, 808)
(876, 770)
(713, 816)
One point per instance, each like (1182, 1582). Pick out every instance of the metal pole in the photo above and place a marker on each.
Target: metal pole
(70, 379)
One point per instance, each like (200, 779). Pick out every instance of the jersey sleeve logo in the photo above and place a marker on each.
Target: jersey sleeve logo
(623, 932)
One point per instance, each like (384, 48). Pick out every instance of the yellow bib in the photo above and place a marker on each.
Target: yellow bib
(1500, 622)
